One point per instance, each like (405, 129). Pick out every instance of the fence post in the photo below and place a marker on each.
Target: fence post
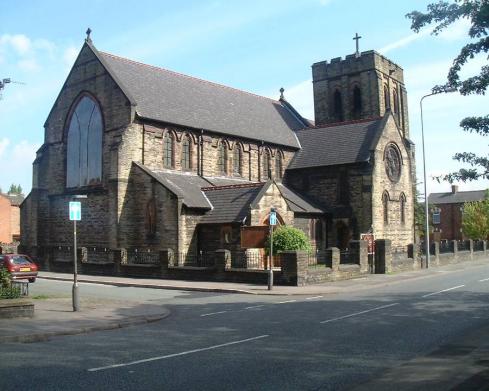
(471, 249)
(223, 260)
(333, 258)
(455, 249)
(437, 253)
(484, 246)
(166, 260)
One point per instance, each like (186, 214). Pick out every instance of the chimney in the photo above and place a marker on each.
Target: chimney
(454, 189)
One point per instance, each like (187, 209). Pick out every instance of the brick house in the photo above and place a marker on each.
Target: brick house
(10, 217)
(447, 212)
(171, 161)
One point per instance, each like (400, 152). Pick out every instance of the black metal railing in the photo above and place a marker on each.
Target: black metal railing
(345, 257)
(463, 245)
(478, 245)
(249, 260)
(200, 259)
(143, 257)
(316, 258)
(446, 247)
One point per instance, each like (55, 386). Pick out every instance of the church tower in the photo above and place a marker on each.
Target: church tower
(363, 85)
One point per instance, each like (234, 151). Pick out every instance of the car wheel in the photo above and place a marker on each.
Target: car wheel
(32, 280)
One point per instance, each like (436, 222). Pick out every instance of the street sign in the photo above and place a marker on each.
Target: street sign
(273, 217)
(75, 210)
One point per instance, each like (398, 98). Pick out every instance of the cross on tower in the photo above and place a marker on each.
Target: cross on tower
(89, 30)
(357, 38)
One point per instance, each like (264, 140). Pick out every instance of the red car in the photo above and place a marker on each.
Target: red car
(19, 266)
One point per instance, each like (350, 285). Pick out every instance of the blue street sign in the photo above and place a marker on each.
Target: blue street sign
(273, 218)
(75, 210)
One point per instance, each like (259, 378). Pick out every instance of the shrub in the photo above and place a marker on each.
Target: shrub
(11, 292)
(288, 239)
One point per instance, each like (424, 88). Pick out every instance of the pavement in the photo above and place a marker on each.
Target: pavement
(54, 316)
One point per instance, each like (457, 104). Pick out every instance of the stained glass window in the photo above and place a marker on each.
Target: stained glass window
(186, 162)
(237, 160)
(168, 150)
(84, 145)
(222, 158)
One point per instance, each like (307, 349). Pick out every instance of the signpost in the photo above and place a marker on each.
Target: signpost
(75, 215)
(272, 222)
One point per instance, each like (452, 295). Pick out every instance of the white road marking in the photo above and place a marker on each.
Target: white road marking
(444, 290)
(485, 279)
(359, 313)
(255, 306)
(314, 297)
(213, 313)
(287, 301)
(177, 354)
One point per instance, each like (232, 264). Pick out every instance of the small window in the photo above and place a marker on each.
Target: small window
(222, 158)
(278, 166)
(385, 205)
(402, 206)
(436, 216)
(395, 101)
(337, 106)
(387, 101)
(186, 156)
(357, 103)
(168, 150)
(151, 217)
(266, 165)
(237, 160)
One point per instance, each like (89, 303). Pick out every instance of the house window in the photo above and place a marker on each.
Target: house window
(222, 158)
(337, 106)
(237, 163)
(278, 165)
(402, 206)
(84, 144)
(168, 150)
(385, 205)
(436, 216)
(266, 165)
(186, 157)
(357, 103)
(387, 101)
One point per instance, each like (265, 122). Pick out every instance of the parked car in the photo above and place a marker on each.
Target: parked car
(20, 267)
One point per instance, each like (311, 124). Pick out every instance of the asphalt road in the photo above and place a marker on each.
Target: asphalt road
(244, 342)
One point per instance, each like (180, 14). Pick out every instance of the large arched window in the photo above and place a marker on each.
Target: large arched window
(84, 144)
(168, 150)
(186, 160)
(357, 103)
(222, 158)
(266, 165)
(337, 106)
(237, 160)
(402, 207)
(385, 206)
(278, 166)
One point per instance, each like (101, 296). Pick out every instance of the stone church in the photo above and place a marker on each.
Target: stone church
(169, 161)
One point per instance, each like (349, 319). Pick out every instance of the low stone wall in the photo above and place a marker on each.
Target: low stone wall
(16, 308)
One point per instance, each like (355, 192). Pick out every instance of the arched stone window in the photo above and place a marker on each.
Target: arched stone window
(84, 144)
(385, 206)
(237, 160)
(337, 106)
(357, 103)
(222, 158)
(395, 101)
(387, 100)
(278, 166)
(267, 174)
(168, 150)
(402, 207)
(151, 217)
(186, 159)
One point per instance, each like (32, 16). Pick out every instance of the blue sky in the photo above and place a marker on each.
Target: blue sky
(257, 46)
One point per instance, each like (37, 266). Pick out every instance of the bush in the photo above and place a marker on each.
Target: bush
(288, 239)
(11, 292)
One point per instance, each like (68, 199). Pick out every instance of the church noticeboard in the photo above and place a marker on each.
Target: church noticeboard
(370, 238)
(254, 237)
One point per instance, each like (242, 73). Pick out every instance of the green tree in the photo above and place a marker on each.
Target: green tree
(475, 219)
(15, 189)
(442, 14)
(287, 238)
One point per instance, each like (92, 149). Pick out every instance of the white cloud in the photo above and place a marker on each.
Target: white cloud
(404, 41)
(4, 142)
(457, 30)
(69, 55)
(29, 65)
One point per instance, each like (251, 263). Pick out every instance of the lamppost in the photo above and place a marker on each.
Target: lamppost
(427, 219)
(75, 215)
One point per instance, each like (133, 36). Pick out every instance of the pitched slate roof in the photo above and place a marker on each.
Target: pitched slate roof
(337, 144)
(15, 199)
(230, 203)
(171, 97)
(298, 203)
(458, 197)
